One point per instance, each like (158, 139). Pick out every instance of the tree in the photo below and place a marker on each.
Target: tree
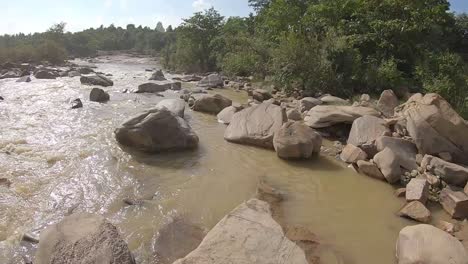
(160, 27)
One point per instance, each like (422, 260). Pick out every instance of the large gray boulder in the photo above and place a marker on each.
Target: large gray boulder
(294, 140)
(365, 131)
(98, 95)
(225, 116)
(82, 238)
(153, 87)
(211, 103)
(96, 80)
(451, 173)
(426, 244)
(44, 74)
(389, 164)
(211, 81)
(256, 125)
(157, 130)
(405, 150)
(261, 95)
(387, 103)
(246, 235)
(307, 103)
(436, 127)
(328, 115)
(176, 106)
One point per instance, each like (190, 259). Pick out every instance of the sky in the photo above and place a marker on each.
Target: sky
(30, 16)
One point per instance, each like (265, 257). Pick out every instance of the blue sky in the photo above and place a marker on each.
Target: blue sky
(36, 16)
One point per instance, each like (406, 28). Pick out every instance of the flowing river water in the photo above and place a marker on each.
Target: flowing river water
(61, 161)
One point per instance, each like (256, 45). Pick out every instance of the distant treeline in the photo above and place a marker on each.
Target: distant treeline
(343, 47)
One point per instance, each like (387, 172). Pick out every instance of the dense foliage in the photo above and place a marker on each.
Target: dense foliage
(342, 47)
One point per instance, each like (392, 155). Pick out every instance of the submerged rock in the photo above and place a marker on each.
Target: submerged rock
(176, 106)
(295, 140)
(328, 115)
(98, 95)
(256, 125)
(246, 235)
(429, 245)
(82, 238)
(96, 80)
(212, 104)
(155, 131)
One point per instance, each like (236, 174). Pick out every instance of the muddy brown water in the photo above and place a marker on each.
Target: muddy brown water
(61, 161)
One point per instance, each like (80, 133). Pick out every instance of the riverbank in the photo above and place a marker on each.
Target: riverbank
(67, 160)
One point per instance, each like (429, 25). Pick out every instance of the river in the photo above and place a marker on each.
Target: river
(61, 160)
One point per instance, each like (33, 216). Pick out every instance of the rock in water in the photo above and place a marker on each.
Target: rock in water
(96, 80)
(416, 211)
(82, 238)
(435, 127)
(327, 115)
(429, 245)
(387, 103)
(370, 169)
(226, 115)
(158, 76)
(212, 104)
(352, 154)
(98, 95)
(76, 103)
(72, 74)
(43, 74)
(454, 202)
(246, 235)
(295, 140)
(211, 81)
(365, 131)
(176, 106)
(85, 70)
(24, 79)
(261, 95)
(256, 125)
(153, 87)
(155, 131)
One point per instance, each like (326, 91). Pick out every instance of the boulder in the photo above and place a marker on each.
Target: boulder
(176, 106)
(365, 131)
(15, 73)
(157, 130)
(176, 86)
(417, 190)
(72, 74)
(404, 149)
(389, 165)
(307, 103)
(225, 116)
(157, 76)
(24, 79)
(387, 103)
(294, 140)
(370, 169)
(211, 81)
(351, 154)
(191, 78)
(256, 125)
(417, 211)
(76, 103)
(85, 70)
(153, 87)
(98, 95)
(293, 114)
(246, 235)
(451, 173)
(211, 103)
(333, 100)
(328, 115)
(435, 126)
(96, 80)
(261, 95)
(82, 238)
(454, 202)
(429, 245)
(44, 74)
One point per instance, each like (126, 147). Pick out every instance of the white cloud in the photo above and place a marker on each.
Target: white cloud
(108, 3)
(200, 5)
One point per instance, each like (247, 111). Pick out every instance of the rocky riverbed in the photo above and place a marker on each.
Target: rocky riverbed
(59, 163)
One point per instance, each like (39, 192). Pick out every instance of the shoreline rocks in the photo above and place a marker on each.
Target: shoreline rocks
(212, 104)
(295, 140)
(327, 115)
